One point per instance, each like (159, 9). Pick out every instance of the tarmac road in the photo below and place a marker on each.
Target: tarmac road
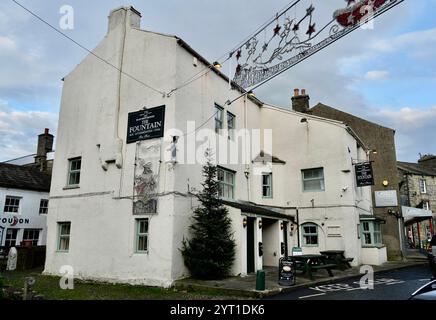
(392, 285)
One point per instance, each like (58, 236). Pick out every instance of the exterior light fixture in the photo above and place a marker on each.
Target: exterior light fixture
(244, 222)
(282, 225)
(385, 183)
(260, 224)
(292, 230)
(374, 151)
(304, 120)
(217, 65)
(251, 94)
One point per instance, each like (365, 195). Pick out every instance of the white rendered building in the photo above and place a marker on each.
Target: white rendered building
(121, 201)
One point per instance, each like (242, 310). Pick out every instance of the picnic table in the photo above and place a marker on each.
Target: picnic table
(310, 263)
(337, 257)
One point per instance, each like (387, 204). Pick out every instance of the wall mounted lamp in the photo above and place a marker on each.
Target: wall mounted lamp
(217, 65)
(260, 224)
(282, 225)
(385, 183)
(244, 222)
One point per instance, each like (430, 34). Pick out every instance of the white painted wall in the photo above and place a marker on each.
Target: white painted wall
(28, 210)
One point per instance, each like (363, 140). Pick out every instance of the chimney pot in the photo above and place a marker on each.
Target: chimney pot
(296, 92)
(46, 131)
(303, 92)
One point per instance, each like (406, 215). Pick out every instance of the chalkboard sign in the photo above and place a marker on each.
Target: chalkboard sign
(364, 174)
(146, 124)
(286, 272)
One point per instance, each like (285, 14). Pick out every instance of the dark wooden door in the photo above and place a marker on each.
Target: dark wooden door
(250, 245)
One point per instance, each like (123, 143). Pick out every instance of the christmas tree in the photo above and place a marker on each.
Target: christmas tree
(210, 252)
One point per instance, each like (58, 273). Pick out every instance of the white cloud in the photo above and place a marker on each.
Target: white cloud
(377, 75)
(406, 40)
(409, 119)
(19, 130)
(7, 43)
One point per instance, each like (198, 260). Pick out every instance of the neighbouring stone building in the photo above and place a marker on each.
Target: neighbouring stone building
(128, 164)
(382, 153)
(24, 197)
(418, 198)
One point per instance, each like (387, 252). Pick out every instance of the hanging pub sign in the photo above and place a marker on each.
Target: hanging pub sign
(146, 124)
(364, 174)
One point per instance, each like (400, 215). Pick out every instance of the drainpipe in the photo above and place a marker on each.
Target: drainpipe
(298, 227)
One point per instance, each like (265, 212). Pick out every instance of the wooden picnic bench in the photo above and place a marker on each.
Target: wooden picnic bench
(337, 257)
(311, 263)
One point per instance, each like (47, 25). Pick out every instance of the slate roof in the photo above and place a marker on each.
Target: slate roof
(26, 178)
(416, 168)
(265, 157)
(249, 207)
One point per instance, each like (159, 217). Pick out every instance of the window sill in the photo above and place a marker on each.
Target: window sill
(61, 251)
(71, 187)
(367, 246)
(310, 246)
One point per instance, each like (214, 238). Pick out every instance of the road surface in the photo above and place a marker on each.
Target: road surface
(392, 285)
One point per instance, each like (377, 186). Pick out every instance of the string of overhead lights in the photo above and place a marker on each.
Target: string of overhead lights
(229, 54)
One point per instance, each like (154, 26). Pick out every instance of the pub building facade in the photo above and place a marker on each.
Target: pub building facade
(127, 167)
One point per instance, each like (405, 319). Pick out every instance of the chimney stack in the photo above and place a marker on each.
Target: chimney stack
(118, 17)
(300, 102)
(45, 145)
(428, 161)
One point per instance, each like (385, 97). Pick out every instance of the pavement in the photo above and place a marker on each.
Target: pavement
(245, 286)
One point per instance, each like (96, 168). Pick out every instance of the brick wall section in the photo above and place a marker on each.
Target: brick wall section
(382, 140)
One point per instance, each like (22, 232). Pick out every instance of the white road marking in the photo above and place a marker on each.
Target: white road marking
(311, 296)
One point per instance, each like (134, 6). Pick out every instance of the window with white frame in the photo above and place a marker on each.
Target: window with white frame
(12, 204)
(31, 235)
(141, 240)
(310, 234)
(231, 125)
(267, 185)
(43, 206)
(313, 179)
(11, 237)
(64, 229)
(426, 205)
(226, 180)
(219, 118)
(422, 186)
(74, 167)
(371, 233)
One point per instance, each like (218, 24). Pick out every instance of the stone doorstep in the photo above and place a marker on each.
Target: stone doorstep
(252, 293)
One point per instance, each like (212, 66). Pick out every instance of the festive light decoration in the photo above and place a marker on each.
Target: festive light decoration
(292, 40)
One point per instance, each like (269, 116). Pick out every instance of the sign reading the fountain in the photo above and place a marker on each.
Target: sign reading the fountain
(146, 124)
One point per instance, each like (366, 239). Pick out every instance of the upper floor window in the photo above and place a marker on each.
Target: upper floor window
(74, 167)
(310, 234)
(12, 204)
(226, 181)
(422, 186)
(219, 118)
(43, 206)
(313, 179)
(231, 125)
(371, 233)
(267, 185)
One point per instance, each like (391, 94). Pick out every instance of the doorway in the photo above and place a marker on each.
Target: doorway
(250, 245)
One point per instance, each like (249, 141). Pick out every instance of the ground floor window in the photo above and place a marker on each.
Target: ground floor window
(64, 229)
(141, 242)
(11, 238)
(310, 234)
(31, 235)
(371, 233)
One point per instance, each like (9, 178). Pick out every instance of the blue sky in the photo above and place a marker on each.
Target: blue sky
(386, 75)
